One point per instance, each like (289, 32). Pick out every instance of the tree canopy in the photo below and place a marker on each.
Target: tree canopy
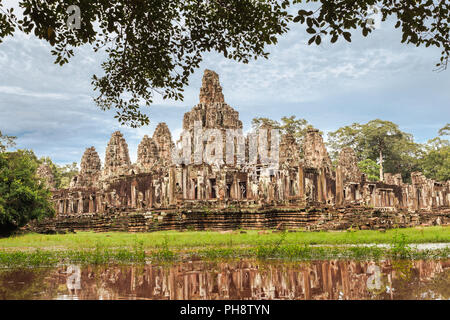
(154, 46)
(370, 168)
(62, 174)
(6, 142)
(23, 196)
(422, 22)
(445, 131)
(378, 140)
(436, 160)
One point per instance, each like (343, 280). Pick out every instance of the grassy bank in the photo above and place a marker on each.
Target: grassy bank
(202, 239)
(100, 248)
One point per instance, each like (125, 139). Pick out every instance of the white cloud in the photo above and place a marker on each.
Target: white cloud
(22, 92)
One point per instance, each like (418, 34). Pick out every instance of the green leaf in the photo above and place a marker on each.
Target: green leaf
(318, 40)
(347, 36)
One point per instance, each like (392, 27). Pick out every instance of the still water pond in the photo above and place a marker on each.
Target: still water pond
(245, 279)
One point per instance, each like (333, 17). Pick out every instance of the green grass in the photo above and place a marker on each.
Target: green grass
(118, 247)
(202, 239)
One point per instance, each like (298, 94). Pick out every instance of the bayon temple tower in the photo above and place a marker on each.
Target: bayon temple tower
(214, 165)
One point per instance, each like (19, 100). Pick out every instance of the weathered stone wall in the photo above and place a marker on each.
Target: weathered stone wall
(288, 218)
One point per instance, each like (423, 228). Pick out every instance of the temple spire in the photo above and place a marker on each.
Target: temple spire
(211, 90)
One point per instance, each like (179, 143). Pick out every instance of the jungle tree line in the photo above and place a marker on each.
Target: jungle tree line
(23, 195)
(380, 147)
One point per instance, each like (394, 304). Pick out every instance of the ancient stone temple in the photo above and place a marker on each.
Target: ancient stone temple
(316, 155)
(117, 159)
(148, 155)
(212, 110)
(163, 141)
(90, 170)
(248, 179)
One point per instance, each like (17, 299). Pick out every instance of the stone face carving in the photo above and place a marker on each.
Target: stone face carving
(211, 90)
(163, 141)
(46, 174)
(289, 151)
(316, 155)
(349, 166)
(212, 110)
(148, 155)
(117, 159)
(214, 114)
(90, 162)
(90, 170)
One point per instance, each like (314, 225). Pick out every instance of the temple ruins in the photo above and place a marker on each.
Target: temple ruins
(155, 185)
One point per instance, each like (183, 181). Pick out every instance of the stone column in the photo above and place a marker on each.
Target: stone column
(249, 188)
(301, 182)
(70, 206)
(319, 186)
(151, 195)
(373, 198)
(91, 204)
(133, 194)
(172, 183)
(99, 198)
(234, 188)
(80, 205)
(339, 187)
(323, 184)
(184, 178)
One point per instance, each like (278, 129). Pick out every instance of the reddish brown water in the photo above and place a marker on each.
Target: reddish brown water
(335, 279)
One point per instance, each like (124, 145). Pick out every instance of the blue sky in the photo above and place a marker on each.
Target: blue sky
(50, 108)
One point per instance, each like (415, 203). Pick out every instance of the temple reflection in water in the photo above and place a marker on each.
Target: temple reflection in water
(241, 280)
